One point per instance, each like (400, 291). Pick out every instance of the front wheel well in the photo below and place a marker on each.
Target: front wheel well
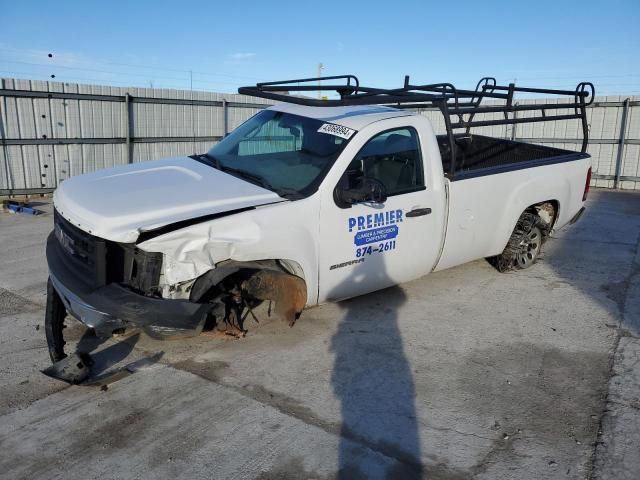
(234, 289)
(242, 270)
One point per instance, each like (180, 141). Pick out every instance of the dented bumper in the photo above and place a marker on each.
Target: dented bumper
(111, 307)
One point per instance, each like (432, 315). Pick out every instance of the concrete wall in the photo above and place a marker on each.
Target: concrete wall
(72, 136)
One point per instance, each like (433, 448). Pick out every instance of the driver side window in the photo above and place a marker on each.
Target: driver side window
(393, 158)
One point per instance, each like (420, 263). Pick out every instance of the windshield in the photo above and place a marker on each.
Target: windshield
(279, 151)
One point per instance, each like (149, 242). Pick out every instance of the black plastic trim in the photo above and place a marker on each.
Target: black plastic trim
(172, 227)
(418, 212)
(577, 216)
(512, 167)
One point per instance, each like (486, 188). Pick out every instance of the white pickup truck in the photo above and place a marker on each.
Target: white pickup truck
(306, 202)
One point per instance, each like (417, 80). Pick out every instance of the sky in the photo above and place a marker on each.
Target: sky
(221, 45)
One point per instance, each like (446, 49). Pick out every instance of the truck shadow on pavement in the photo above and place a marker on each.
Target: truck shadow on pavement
(549, 389)
(373, 381)
(107, 362)
(109, 356)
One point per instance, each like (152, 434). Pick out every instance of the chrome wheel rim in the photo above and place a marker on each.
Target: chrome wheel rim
(529, 248)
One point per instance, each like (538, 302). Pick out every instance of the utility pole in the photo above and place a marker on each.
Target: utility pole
(320, 68)
(193, 123)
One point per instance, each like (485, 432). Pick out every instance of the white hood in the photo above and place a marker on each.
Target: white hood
(119, 203)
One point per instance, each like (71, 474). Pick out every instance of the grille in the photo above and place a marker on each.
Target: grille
(98, 262)
(84, 252)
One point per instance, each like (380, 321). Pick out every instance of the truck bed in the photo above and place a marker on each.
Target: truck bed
(478, 155)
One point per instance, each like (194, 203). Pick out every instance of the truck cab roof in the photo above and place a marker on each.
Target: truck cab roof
(354, 117)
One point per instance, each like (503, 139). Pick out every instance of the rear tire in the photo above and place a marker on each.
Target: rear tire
(524, 245)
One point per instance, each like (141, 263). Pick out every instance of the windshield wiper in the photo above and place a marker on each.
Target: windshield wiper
(283, 192)
(216, 162)
(252, 177)
(288, 193)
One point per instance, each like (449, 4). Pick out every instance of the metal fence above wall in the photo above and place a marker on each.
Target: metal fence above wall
(50, 131)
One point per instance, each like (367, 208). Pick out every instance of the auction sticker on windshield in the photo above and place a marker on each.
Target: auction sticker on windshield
(336, 130)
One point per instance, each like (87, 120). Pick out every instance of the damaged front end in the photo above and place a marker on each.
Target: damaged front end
(111, 286)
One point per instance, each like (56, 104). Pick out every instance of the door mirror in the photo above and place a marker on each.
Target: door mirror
(367, 190)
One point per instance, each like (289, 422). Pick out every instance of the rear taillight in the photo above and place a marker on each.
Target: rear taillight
(587, 184)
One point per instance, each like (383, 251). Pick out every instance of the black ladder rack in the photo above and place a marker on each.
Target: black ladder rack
(459, 107)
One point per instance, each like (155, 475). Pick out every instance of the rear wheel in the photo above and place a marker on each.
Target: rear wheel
(524, 245)
(529, 249)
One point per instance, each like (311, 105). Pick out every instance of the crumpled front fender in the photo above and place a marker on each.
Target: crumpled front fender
(192, 251)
